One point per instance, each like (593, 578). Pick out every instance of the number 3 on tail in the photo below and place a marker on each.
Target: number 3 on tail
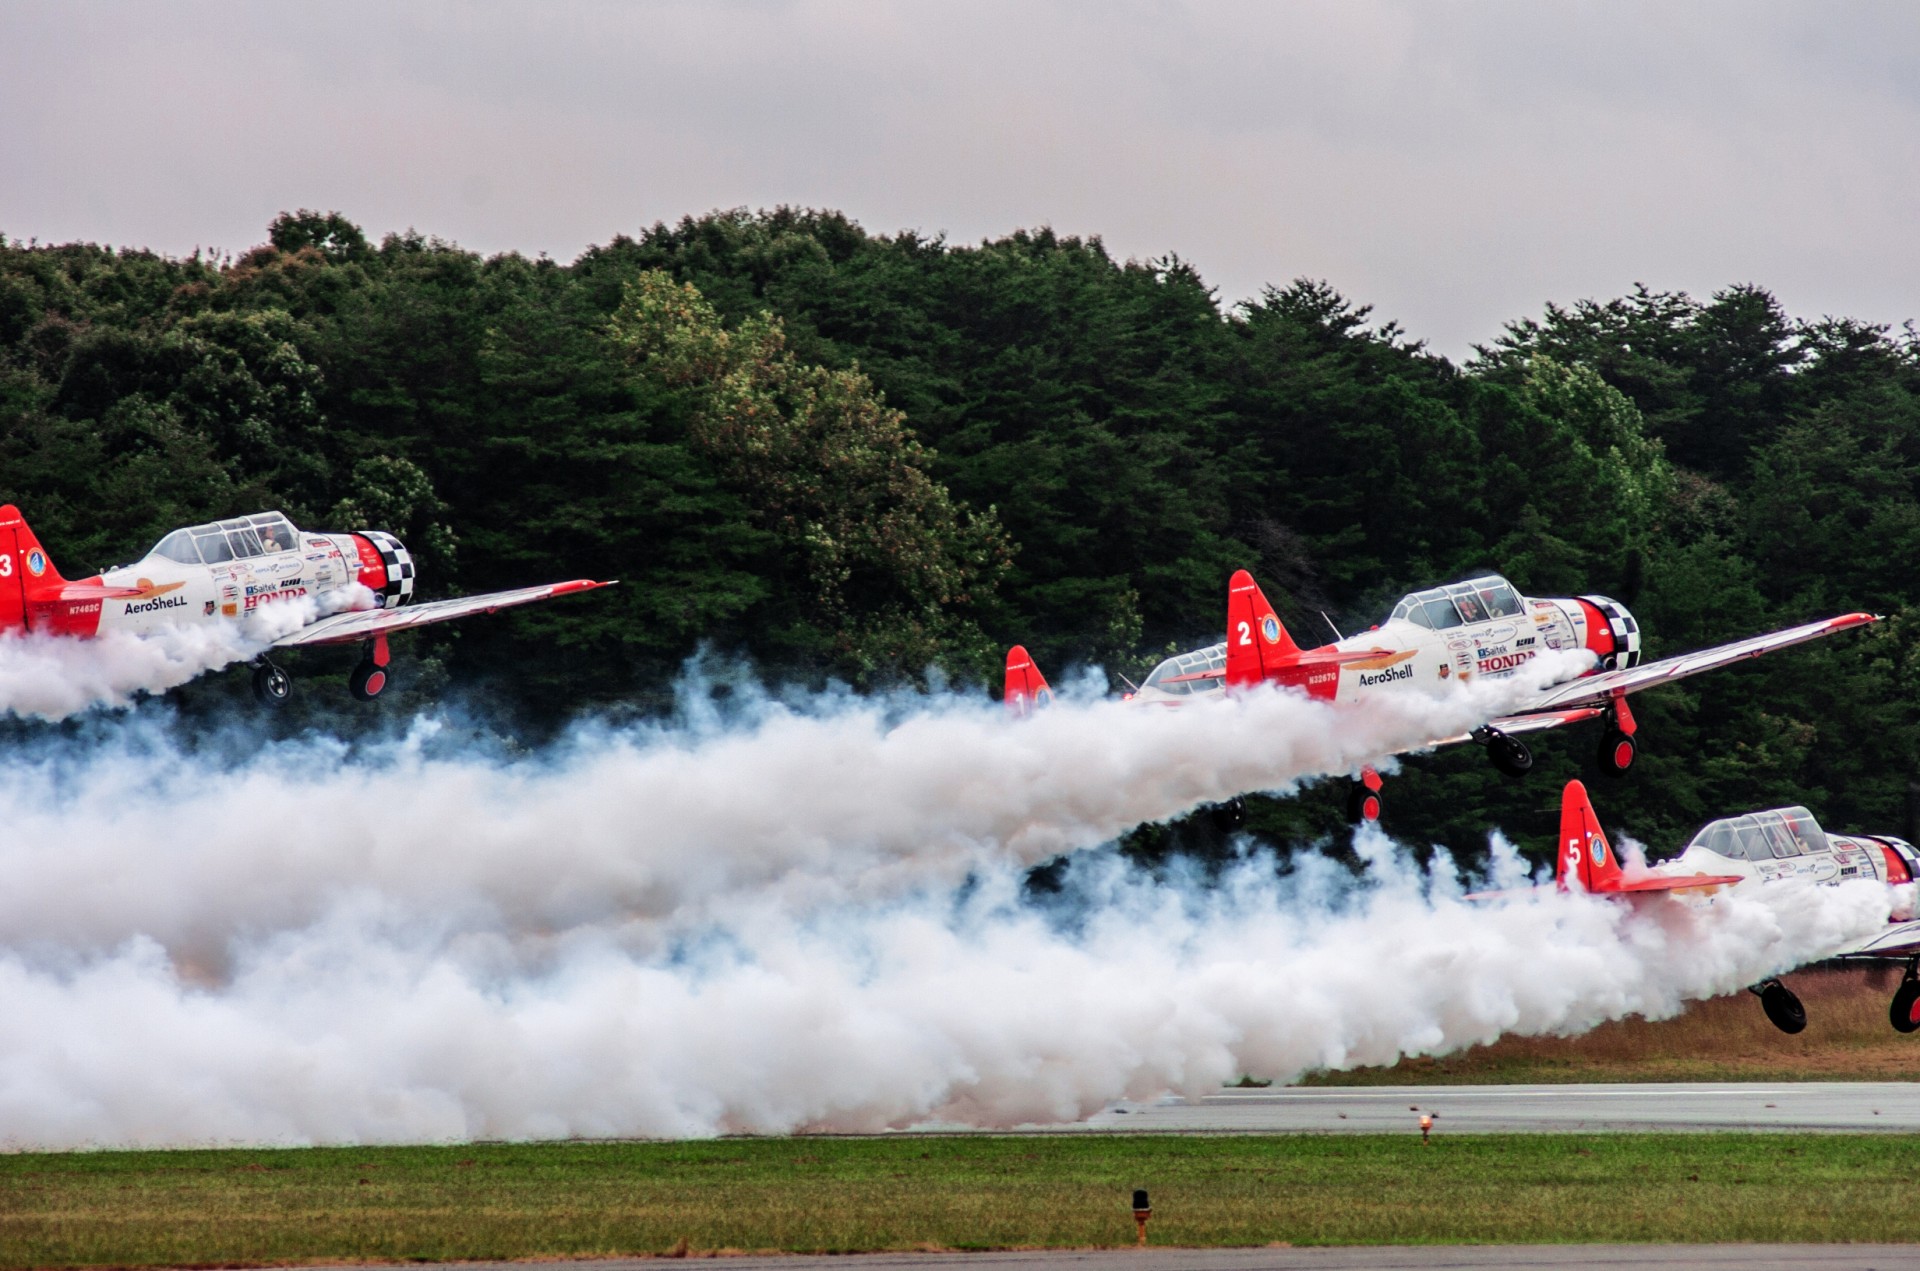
(6, 570)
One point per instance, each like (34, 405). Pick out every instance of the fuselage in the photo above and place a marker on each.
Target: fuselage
(1788, 843)
(223, 572)
(1433, 638)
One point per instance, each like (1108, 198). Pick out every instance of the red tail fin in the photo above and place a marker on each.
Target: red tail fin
(1257, 644)
(1586, 859)
(25, 568)
(1027, 689)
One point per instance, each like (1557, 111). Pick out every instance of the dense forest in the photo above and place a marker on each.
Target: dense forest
(830, 454)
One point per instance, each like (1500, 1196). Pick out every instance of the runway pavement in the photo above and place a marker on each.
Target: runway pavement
(1392, 1258)
(1727, 1106)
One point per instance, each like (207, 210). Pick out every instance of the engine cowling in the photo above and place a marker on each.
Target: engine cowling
(386, 568)
(1613, 635)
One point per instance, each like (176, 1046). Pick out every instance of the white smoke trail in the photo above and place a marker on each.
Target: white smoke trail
(379, 1023)
(807, 919)
(643, 826)
(53, 678)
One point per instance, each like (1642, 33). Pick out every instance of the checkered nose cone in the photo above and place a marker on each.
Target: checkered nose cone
(1626, 632)
(399, 563)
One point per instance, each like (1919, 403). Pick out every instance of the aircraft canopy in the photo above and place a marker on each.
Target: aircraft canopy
(1170, 676)
(237, 539)
(1477, 600)
(1761, 836)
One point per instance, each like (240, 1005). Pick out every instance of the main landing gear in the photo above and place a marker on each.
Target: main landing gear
(370, 678)
(1782, 1006)
(1904, 1012)
(1616, 743)
(1363, 801)
(1509, 754)
(1789, 1016)
(272, 686)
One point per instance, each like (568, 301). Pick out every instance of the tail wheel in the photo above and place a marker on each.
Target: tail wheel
(367, 682)
(1904, 1014)
(1783, 1007)
(1510, 755)
(1363, 804)
(271, 685)
(1616, 753)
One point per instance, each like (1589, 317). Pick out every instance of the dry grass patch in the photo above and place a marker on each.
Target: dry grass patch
(1847, 1038)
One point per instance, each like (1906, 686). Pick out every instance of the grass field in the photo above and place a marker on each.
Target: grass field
(841, 1195)
(1727, 1039)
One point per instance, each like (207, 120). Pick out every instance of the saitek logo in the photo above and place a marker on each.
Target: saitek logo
(1402, 672)
(157, 603)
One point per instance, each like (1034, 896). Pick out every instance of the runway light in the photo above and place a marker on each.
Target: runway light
(1141, 1212)
(1426, 1128)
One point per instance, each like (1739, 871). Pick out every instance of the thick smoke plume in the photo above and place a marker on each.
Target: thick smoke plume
(843, 800)
(804, 918)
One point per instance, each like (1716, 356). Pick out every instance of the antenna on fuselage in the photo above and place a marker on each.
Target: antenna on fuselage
(1131, 686)
(1330, 626)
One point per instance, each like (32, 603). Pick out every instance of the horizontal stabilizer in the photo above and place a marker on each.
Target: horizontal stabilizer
(92, 591)
(1587, 862)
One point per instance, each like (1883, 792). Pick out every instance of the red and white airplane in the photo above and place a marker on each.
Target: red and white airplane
(227, 570)
(1482, 627)
(1740, 852)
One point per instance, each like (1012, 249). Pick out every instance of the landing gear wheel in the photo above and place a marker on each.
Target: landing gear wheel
(1363, 804)
(1510, 755)
(367, 681)
(1782, 1007)
(271, 685)
(1616, 753)
(1904, 1014)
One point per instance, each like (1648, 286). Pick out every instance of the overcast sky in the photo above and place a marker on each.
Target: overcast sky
(1454, 164)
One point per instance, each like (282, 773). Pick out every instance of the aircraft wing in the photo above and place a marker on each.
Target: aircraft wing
(1600, 687)
(1898, 940)
(1531, 723)
(364, 624)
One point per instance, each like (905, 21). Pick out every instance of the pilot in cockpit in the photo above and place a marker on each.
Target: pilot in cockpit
(270, 540)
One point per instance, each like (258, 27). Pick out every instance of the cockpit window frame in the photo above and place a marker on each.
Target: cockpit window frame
(235, 538)
(1488, 598)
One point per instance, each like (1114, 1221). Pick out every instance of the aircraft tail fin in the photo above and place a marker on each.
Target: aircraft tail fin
(1257, 642)
(1026, 689)
(1586, 861)
(33, 565)
(26, 571)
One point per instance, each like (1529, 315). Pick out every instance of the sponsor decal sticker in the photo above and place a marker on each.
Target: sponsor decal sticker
(36, 562)
(156, 604)
(230, 609)
(265, 595)
(1402, 672)
(1502, 632)
(1270, 629)
(209, 609)
(1500, 663)
(1445, 670)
